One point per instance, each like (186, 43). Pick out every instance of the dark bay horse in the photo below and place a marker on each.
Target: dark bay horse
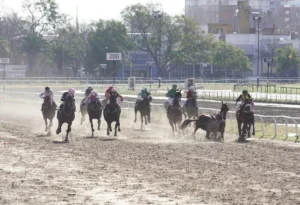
(66, 114)
(245, 118)
(210, 124)
(83, 111)
(190, 110)
(94, 110)
(112, 114)
(48, 110)
(174, 112)
(144, 107)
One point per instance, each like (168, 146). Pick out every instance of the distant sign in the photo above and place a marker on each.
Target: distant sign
(113, 56)
(150, 63)
(4, 60)
(103, 65)
(268, 59)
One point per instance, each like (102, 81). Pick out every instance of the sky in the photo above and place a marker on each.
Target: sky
(99, 9)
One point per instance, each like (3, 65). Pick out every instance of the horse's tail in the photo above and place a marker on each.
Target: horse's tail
(186, 123)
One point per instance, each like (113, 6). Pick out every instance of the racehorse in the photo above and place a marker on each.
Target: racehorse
(94, 110)
(245, 116)
(66, 114)
(190, 110)
(144, 107)
(48, 110)
(112, 114)
(210, 124)
(174, 112)
(83, 111)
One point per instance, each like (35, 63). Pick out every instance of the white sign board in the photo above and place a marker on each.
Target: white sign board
(4, 60)
(268, 60)
(113, 56)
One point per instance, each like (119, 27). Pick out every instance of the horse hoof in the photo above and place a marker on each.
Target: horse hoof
(98, 128)
(119, 130)
(58, 131)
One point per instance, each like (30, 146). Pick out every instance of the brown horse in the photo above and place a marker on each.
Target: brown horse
(245, 118)
(174, 112)
(210, 124)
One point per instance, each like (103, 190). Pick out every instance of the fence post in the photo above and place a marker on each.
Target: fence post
(286, 129)
(262, 126)
(275, 128)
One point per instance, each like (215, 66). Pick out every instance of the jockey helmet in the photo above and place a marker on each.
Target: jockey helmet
(90, 88)
(110, 87)
(144, 90)
(192, 88)
(47, 88)
(93, 93)
(71, 91)
(174, 86)
(114, 90)
(245, 92)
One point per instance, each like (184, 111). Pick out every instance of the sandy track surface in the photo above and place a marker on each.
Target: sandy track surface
(138, 167)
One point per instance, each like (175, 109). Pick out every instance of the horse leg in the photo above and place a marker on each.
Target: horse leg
(108, 125)
(253, 123)
(195, 130)
(171, 123)
(119, 126)
(207, 134)
(50, 126)
(58, 131)
(116, 127)
(46, 124)
(142, 121)
(149, 117)
(92, 126)
(99, 123)
(68, 131)
(239, 128)
(135, 113)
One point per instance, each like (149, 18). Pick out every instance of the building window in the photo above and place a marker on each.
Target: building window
(287, 12)
(287, 19)
(297, 13)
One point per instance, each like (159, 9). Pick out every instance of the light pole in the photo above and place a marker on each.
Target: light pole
(257, 17)
(159, 16)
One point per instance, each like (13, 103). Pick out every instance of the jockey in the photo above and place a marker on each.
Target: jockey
(117, 95)
(88, 91)
(144, 93)
(108, 91)
(190, 95)
(171, 94)
(93, 96)
(48, 92)
(243, 97)
(71, 92)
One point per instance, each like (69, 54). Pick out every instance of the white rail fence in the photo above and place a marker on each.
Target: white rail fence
(267, 125)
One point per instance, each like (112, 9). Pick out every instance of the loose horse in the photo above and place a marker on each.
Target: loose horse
(48, 110)
(83, 110)
(112, 114)
(144, 107)
(210, 124)
(174, 112)
(66, 114)
(190, 110)
(94, 110)
(245, 116)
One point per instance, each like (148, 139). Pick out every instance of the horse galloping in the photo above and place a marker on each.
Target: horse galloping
(245, 118)
(48, 110)
(174, 112)
(112, 114)
(210, 124)
(144, 107)
(66, 114)
(94, 110)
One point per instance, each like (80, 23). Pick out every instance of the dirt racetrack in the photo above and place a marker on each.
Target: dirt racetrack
(139, 167)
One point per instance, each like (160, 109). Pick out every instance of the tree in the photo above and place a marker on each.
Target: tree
(105, 36)
(169, 40)
(42, 17)
(287, 61)
(231, 58)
